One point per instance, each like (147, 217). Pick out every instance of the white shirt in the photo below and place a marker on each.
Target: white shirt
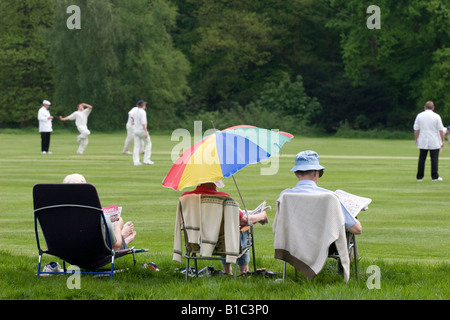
(429, 123)
(131, 115)
(80, 117)
(309, 186)
(45, 124)
(140, 118)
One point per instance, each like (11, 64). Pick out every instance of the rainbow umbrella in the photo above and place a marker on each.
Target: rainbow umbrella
(222, 154)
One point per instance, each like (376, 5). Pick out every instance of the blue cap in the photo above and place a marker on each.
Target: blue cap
(141, 102)
(307, 160)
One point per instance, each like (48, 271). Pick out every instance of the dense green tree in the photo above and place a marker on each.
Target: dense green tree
(238, 59)
(84, 60)
(122, 53)
(232, 44)
(25, 76)
(436, 83)
(409, 51)
(151, 67)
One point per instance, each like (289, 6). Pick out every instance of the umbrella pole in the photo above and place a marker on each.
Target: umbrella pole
(252, 234)
(242, 200)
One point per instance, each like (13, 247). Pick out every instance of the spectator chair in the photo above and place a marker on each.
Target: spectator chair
(72, 223)
(305, 226)
(210, 228)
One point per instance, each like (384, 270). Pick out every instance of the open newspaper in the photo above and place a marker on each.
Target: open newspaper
(353, 203)
(112, 212)
(260, 208)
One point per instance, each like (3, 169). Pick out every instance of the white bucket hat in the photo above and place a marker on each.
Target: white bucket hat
(46, 102)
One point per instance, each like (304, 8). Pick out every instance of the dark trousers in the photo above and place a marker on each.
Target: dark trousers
(434, 155)
(45, 141)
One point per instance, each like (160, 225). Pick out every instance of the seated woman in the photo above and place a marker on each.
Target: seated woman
(121, 233)
(210, 188)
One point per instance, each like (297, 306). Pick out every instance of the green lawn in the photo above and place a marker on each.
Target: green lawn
(405, 231)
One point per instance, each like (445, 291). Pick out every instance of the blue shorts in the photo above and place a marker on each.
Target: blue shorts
(245, 259)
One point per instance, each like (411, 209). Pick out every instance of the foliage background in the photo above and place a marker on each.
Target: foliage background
(309, 66)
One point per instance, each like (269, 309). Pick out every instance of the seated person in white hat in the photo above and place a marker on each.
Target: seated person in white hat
(308, 171)
(121, 233)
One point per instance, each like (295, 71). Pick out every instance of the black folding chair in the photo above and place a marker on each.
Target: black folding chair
(74, 228)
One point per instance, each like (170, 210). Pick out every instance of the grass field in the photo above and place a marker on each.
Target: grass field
(405, 231)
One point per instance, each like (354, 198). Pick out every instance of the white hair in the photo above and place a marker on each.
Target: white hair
(74, 178)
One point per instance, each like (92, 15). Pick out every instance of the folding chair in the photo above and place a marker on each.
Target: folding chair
(305, 226)
(73, 225)
(193, 250)
(352, 251)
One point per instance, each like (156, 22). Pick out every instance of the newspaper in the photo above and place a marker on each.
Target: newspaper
(260, 208)
(112, 212)
(353, 203)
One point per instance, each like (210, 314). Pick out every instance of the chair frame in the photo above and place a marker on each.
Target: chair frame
(192, 255)
(351, 244)
(114, 253)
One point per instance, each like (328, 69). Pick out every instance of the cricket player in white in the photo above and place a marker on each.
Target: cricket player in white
(45, 126)
(81, 118)
(141, 134)
(130, 133)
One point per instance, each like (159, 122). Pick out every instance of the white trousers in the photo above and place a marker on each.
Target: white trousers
(130, 138)
(83, 139)
(139, 137)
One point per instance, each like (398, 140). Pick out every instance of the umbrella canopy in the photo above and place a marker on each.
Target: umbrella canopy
(224, 153)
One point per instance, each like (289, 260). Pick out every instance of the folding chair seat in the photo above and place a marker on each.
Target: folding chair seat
(305, 227)
(73, 225)
(210, 228)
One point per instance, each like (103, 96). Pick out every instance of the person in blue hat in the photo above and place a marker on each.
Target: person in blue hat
(308, 170)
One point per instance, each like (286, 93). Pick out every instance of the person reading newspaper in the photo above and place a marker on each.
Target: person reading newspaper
(308, 171)
(258, 215)
(122, 234)
(112, 212)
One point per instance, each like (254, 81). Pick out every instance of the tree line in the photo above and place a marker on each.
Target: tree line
(298, 65)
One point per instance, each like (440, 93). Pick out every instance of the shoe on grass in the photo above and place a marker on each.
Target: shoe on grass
(52, 267)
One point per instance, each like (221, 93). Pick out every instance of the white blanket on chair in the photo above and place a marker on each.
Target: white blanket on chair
(304, 227)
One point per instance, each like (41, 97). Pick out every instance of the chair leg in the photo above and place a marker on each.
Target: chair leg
(134, 255)
(351, 244)
(196, 268)
(187, 268)
(39, 266)
(284, 271)
(253, 251)
(112, 267)
(355, 254)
